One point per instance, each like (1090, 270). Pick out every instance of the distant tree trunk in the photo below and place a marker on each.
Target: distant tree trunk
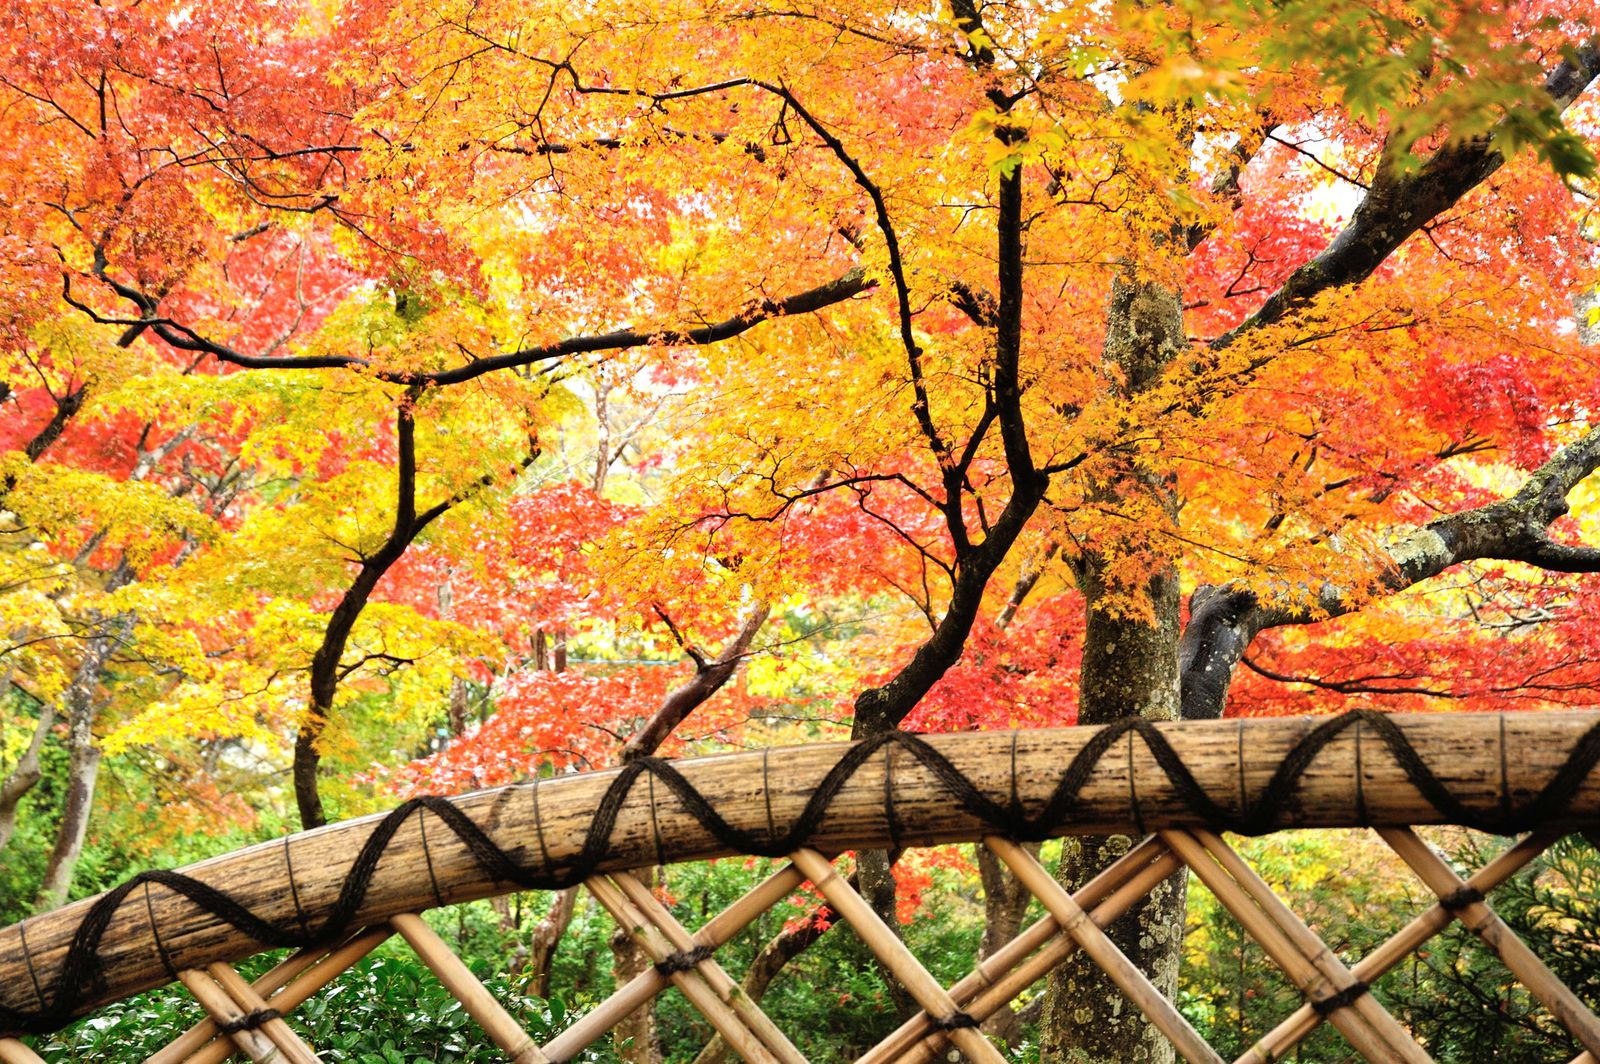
(773, 958)
(458, 706)
(558, 656)
(546, 936)
(1130, 666)
(25, 774)
(83, 766)
(1005, 903)
(602, 448)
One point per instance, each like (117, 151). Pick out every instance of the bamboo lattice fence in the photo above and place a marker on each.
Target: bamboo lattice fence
(338, 892)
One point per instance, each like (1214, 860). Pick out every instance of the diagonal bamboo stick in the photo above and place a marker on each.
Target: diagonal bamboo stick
(700, 995)
(1487, 925)
(1401, 1044)
(887, 945)
(648, 983)
(278, 1033)
(1093, 941)
(1055, 952)
(1281, 1040)
(299, 990)
(496, 1022)
(709, 970)
(13, 1051)
(251, 1042)
(1010, 970)
(1301, 955)
(287, 980)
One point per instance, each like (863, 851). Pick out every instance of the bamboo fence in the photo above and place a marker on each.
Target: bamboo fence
(341, 890)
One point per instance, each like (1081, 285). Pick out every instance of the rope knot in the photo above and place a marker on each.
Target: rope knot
(1460, 899)
(249, 1021)
(683, 960)
(1334, 1003)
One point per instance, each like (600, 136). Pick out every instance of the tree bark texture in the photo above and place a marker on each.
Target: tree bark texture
(82, 703)
(1130, 667)
(24, 775)
(546, 936)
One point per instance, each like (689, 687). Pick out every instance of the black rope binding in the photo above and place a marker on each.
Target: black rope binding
(80, 978)
(249, 1021)
(1335, 1002)
(683, 960)
(953, 1022)
(1460, 899)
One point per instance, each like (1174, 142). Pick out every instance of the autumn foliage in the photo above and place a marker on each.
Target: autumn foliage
(430, 395)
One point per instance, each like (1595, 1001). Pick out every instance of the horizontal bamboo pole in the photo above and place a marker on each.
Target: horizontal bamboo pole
(542, 826)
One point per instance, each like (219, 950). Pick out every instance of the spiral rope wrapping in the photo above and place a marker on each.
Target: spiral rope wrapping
(80, 976)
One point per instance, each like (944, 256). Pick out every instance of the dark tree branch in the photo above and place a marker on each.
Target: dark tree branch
(1224, 619)
(180, 336)
(709, 678)
(1400, 202)
(1363, 686)
(325, 670)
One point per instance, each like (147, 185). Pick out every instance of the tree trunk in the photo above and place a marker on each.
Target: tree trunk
(83, 768)
(546, 937)
(1005, 903)
(25, 774)
(458, 707)
(1130, 666)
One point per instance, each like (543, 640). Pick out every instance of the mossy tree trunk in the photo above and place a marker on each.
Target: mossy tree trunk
(1130, 666)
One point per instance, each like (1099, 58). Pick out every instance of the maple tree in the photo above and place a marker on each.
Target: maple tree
(985, 366)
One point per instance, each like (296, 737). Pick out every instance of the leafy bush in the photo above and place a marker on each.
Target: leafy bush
(387, 1009)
